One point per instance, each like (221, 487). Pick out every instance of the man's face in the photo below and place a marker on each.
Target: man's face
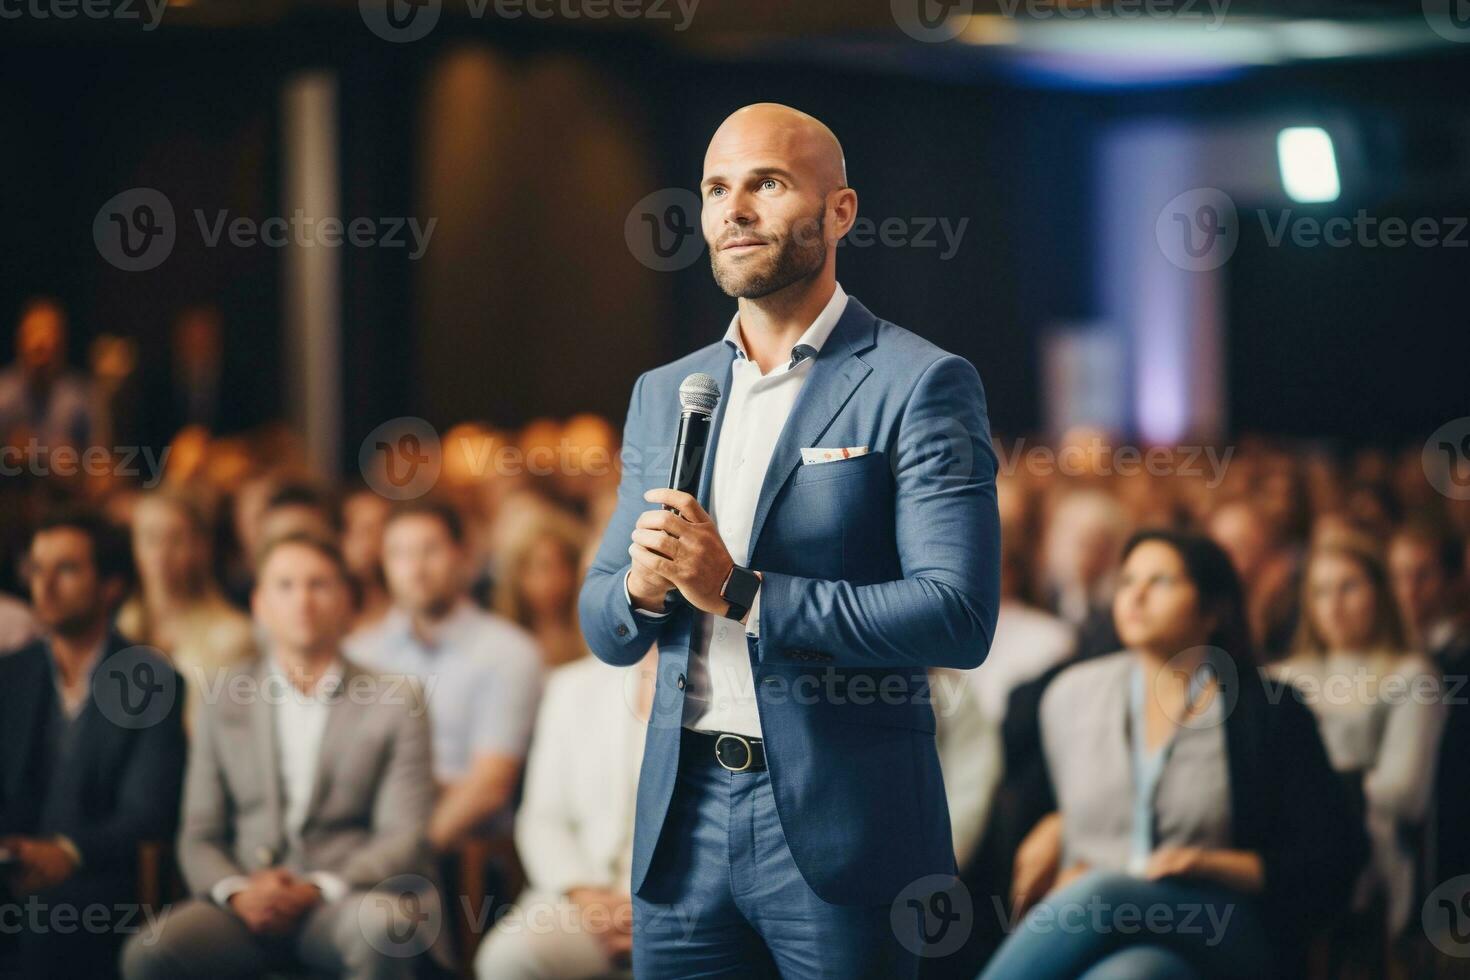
(1418, 581)
(66, 591)
(764, 213)
(40, 339)
(301, 599)
(422, 564)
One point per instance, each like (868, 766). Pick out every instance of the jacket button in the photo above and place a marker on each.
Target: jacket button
(621, 630)
(680, 682)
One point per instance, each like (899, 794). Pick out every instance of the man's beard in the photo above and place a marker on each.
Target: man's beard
(799, 256)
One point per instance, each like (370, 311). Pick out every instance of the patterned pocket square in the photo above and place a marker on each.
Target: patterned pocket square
(819, 455)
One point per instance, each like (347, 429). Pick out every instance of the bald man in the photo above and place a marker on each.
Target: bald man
(844, 540)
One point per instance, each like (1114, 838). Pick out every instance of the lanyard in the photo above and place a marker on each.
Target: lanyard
(1148, 768)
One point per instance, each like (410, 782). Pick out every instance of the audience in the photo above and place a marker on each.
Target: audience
(538, 572)
(363, 515)
(574, 829)
(91, 756)
(1179, 785)
(1379, 706)
(40, 398)
(308, 793)
(178, 609)
(1322, 819)
(481, 673)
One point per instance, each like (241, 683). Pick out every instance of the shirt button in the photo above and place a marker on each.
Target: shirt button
(621, 630)
(680, 682)
(721, 633)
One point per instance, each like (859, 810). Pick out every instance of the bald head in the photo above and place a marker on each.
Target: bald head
(775, 202)
(800, 141)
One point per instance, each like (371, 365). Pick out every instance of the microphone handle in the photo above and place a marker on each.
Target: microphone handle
(687, 465)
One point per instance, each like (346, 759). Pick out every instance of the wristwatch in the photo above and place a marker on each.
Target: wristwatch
(739, 591)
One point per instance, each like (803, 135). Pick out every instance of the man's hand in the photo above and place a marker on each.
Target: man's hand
(683, 548)
(40, 864)
(274, 901)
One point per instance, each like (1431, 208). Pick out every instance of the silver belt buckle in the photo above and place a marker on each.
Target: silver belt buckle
(749, 752)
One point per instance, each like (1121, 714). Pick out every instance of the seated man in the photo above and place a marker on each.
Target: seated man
(307, 797)
(91, 756)
(574, 830)
(481, 672)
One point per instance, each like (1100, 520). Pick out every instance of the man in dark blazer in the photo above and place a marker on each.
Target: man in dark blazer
(844, 540)
(91, 759)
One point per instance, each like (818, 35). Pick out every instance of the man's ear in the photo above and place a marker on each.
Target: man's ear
(843, 205)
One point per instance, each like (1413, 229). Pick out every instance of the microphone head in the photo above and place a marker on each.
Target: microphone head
(699, 393)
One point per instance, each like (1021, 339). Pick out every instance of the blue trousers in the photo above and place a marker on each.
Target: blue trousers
(1111, 926)
(723, 897)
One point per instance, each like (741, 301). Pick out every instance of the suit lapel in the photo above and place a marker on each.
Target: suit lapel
(334, 742)
(263, 728)
(836, 372)
(723, 370)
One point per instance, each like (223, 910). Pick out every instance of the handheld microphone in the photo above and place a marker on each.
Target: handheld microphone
(698, 395)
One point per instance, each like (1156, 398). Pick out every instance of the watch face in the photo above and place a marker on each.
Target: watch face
(741, 586)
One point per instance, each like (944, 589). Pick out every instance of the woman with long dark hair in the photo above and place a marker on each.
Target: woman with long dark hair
(1198, 829)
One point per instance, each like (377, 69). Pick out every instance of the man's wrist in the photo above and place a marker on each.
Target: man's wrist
(628, 592)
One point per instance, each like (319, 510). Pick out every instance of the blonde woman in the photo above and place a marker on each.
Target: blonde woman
(1380, 708)
(538, 578)
(178, 608)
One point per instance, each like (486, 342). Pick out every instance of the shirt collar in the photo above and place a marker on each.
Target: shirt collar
(810, 341)
(327, 686)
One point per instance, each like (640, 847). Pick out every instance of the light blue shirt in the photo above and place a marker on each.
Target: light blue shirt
(482, 677)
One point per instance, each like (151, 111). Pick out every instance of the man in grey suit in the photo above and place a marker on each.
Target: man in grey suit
(306, 801)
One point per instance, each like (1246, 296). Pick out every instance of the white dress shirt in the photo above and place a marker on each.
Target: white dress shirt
(720, 695)
(300, 724)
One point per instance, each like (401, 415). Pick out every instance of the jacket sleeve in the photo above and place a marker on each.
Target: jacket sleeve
(1319, 846)
(207, 836)
(403, 805)
(942, 612)
(149, 787)
(617, 634)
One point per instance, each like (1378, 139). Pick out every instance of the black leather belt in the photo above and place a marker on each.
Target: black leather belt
(734, 753)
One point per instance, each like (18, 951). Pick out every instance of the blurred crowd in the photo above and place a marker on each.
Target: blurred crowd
(505, 772)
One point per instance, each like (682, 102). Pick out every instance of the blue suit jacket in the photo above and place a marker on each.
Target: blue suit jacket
(875, 569)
